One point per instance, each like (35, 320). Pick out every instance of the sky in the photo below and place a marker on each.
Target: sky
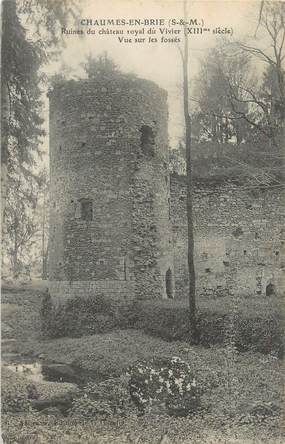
(159, 62)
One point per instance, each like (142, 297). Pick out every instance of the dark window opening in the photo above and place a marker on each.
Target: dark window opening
(101, 262)
(276, 253)
(60, 147)
(270, 289)
(244, 252)
(169, 284)
(86, 209)
(207, 270)
(147, 140)
(125, 269)
(238, 232)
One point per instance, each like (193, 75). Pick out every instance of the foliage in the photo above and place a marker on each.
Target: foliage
(14, 395)
(77, 316)
(169, 320)
(232, 102)
(177, 160)
(105, 398)
(20, 88)
(248, 164)
(167, 384)
(100, 66)
(215, 118)
(233, 383)
(24, 321)
(240, 390)
(23, 223)
(208, 428)
(29, 37)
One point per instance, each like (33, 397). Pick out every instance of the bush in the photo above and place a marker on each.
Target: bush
(166, 384)
(77, 317)
(14, 395)
(103, 399)
(165, 319)
(169, 320)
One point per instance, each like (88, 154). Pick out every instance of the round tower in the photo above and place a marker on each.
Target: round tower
(110, 230)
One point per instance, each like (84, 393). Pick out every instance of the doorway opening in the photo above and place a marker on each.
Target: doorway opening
(270, 289)
(169, 284)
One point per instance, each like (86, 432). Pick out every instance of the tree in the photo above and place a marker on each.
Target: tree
(102, 65)
(25, 242)
(231, 100)
(22, 56)
(216, 118)
(21, 226)
(24, 51)
(188, 147)
(21, 122)
(267, 110)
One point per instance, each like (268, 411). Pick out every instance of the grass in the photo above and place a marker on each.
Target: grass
(20, 313)
(34, 429)
(232, 382)
(233, 385)
(45, 389)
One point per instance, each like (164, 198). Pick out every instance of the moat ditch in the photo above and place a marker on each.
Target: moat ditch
(39, 370)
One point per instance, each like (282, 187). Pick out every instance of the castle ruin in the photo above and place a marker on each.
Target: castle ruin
(118, 223)
(110, 230)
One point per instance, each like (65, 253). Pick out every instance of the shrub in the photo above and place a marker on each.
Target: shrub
(169, 320)
(103, 399)
(77, 316)
(166, 319)
(14, 395)
(165, 384)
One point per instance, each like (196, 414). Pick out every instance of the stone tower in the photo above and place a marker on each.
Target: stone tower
(110, 228)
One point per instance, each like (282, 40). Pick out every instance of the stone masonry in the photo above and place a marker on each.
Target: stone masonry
(110, 230)
(239, 237)
(118, 223)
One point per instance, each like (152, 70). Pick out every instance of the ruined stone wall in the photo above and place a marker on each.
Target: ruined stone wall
(239, 237)
(103, 166)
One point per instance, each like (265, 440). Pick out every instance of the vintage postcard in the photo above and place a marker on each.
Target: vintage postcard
(142, 163)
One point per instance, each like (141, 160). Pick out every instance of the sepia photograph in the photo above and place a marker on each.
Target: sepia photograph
(143, 221)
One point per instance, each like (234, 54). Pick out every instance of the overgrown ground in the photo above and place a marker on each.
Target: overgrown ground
(241, 401)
